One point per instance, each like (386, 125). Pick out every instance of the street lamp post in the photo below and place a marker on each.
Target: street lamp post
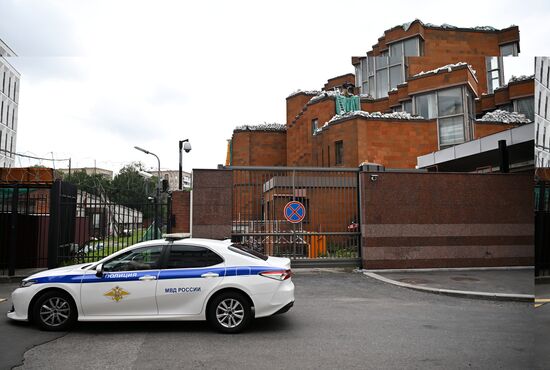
(157, 198)
(183, 145)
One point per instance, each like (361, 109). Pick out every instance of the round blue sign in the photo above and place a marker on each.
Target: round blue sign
(295, 212)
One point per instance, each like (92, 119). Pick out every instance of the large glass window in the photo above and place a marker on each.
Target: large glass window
(411, 47)
(450, 102)
(381, 83)
(407, 106)
(525, 106)
(509, 49)
(449, 107)
(146, 258)
(186, 256)
(425, 106)
(396, 76)
(495, 73)
(387, 70)
(451, 130)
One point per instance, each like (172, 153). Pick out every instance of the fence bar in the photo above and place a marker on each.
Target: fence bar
(13, 231)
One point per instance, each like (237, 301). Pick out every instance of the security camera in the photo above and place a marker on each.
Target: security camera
(187, 146)
(373, 178)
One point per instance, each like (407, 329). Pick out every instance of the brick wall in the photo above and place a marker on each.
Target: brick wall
(295, 104)
(392, 143)
(212, 200)
(485, 129)
(339, 81)
(259, 148)
(416, 220)
(181, 211)
(299, 133)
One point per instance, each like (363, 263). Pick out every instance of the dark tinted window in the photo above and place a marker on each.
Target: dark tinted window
(241, 249)
(182, 256)
(146, 258)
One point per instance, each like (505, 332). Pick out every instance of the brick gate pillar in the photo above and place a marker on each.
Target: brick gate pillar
(181, 211)
(212, 204)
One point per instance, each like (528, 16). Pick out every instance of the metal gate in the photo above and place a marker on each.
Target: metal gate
(542, 228)
(88, 226)
(24, 220)
(329, 233)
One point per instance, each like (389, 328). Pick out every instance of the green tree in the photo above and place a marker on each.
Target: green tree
(129, 187)
(93, 184)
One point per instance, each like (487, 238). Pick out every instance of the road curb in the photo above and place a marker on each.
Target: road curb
(456, 293)
(496, 268)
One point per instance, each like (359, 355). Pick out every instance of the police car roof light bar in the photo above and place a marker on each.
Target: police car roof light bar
(176, 236)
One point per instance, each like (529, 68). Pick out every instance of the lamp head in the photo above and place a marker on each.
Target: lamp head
(141, 150)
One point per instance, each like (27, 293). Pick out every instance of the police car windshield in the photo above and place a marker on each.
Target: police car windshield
(246, 251)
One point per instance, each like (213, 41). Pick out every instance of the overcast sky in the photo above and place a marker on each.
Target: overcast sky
(99, 77)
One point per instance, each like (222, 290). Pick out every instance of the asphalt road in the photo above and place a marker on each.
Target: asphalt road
(542, 327)
(16, 338)
(340, 320)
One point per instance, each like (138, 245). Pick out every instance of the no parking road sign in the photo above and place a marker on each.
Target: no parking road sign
(295, 212)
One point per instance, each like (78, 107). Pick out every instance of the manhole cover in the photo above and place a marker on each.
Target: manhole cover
(414, 281)
(464, 278)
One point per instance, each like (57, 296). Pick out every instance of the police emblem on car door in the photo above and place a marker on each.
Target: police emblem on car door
(127, 285)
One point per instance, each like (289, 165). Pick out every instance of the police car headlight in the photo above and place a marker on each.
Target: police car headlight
(27, 283)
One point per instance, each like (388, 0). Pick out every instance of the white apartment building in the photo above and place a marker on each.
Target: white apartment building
(9, 101)
(173, 178)
(542, 112)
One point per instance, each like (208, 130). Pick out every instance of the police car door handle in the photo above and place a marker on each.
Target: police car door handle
(148, 277)
(210, 275)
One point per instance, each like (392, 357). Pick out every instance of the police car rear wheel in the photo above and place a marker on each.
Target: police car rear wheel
(229, 312)
(54, 311)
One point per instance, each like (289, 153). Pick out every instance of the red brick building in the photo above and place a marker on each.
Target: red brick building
(421, 88)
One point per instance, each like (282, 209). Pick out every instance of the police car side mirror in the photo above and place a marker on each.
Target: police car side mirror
(99, 270)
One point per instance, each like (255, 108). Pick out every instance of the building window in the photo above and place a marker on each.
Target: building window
(509, 50)
(541, 69)
(425, 105)
(454, 111)
(540, 99)
(506, 107)
(525, 106)
(314, 125)
(495, 73)
(407, 106)
(338, 153)
(450, 104)
(386, 71)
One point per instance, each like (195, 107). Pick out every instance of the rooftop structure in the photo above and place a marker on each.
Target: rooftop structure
(420, 89)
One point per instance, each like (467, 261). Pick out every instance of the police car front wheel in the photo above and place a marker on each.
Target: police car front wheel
(229, 312)
(54, 311)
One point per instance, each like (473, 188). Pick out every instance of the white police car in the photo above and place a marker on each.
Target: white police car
(170, 279)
